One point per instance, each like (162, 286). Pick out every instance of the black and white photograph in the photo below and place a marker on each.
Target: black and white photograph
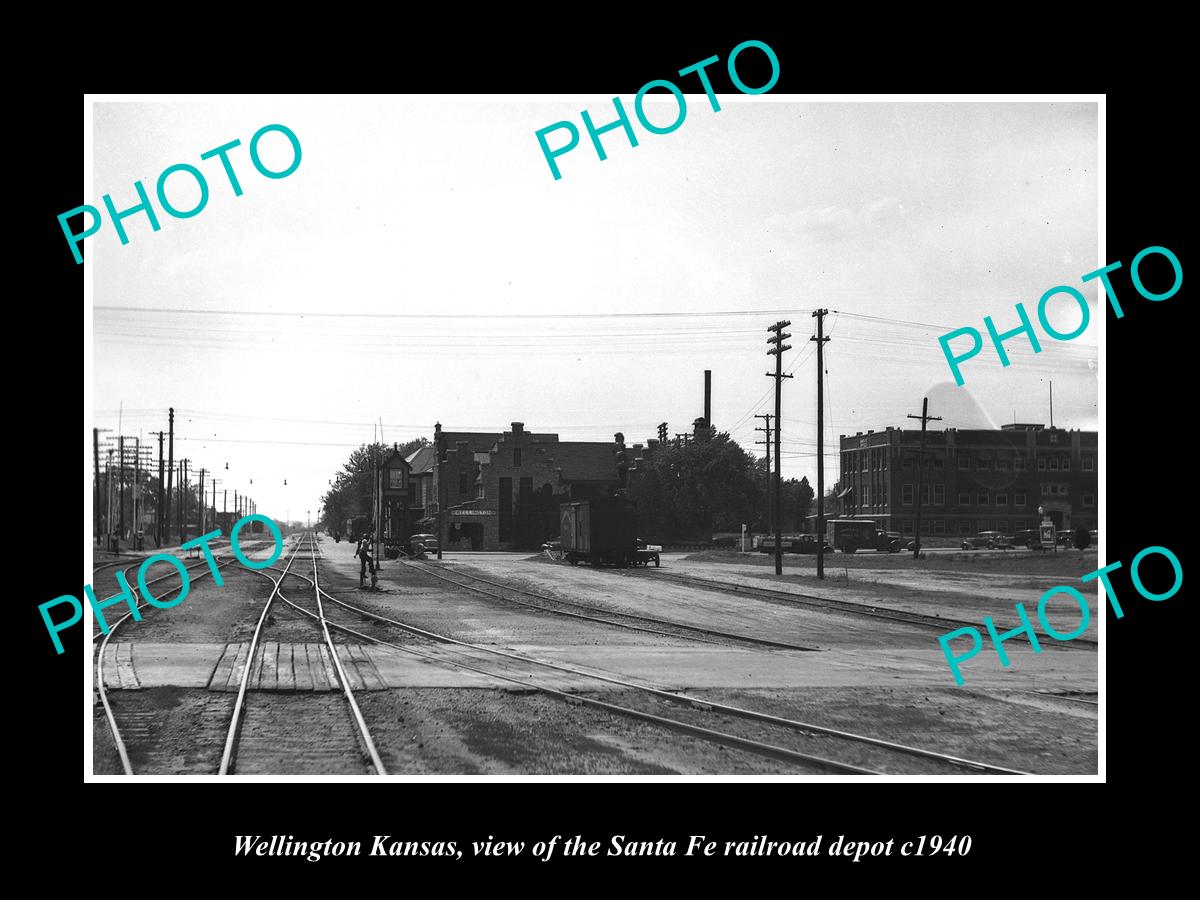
(697, 433)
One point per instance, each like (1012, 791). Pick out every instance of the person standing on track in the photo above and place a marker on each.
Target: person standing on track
(363, 552)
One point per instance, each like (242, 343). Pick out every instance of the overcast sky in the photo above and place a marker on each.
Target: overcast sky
(422, 265)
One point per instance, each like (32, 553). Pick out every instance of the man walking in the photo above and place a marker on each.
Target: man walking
(363, 552)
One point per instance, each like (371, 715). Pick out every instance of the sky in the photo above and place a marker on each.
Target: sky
(422, 265)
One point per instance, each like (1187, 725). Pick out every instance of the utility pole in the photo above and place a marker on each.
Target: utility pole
(183, 495)
(925, 418)
(777, 350)
(108, 523)
(662, 432)
(121, 487)
(158, 532)
(170, 468)
(96, 487)
(819, 315)
(137, 485)
(766, 417)
(202, 503)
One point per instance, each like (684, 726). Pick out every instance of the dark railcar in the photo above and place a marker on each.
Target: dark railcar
(602, 532)
(358, 526)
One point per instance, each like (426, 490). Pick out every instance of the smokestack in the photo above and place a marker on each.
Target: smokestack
(708, 397)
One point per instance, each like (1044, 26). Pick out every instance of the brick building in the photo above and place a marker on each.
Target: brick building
(973, 480)
(501, 490)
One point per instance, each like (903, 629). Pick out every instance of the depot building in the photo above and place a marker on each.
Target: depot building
(501, 490)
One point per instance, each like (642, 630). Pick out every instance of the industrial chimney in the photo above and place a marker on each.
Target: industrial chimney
(708, 397)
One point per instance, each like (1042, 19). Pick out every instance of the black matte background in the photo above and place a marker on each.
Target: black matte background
(1149, 403)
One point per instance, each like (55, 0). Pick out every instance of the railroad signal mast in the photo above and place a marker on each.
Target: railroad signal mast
(778, 348)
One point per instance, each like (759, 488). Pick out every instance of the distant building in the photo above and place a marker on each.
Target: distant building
(973, 480)
(502, 490)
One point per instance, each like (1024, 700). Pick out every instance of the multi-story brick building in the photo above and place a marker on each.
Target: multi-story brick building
(972, 480)
(502, 490)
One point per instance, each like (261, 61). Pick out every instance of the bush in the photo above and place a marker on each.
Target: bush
(1082, 538)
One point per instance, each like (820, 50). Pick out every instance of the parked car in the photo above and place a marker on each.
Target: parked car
(423, 543)
(989, 540)
(888, 540)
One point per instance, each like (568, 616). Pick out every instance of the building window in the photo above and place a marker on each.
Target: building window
(964, 461)
(1002, 465)
(517, 457)
(1066, 464)
(907, 463)
(939, 526)
(985, 525)
(924, 495)
(1019, 499)
(1019, 464)
(1041, 464)
(479, 493)
(907, 495)
(1054, 437)
(939, 495)
(964, 498)
(462, 481)
(1054, 464)
(1089, 500)
(964, 526)
(1089, 464)
(981, 498)
(939, 463)
(907, 527)
(883, 463)
(1002, 499)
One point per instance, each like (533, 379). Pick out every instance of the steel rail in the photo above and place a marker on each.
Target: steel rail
(727, 635)
(174, 573)
(677, 697)
(829, 604)
(355, 711)
(235, 722)
(758, 748)
(108, 710)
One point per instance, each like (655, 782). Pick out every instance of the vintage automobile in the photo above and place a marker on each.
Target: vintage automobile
(988, 540)
(419, 544)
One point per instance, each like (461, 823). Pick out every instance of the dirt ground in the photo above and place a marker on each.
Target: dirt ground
(884, 679)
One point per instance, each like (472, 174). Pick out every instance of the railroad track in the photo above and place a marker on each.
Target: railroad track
(828, 604)
(464, 655)
(274, 726)
(691, 632)
(203, 564)
(104, 638)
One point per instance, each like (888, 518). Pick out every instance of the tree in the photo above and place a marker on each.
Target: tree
(696, 488)
(352, 488)
(804, 495)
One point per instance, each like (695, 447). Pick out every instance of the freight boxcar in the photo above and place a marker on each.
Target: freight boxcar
(602, 532)
(355, 528)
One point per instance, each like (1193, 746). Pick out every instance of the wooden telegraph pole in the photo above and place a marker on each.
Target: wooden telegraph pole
(777, 350)
(925, 418)
(821, 340)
